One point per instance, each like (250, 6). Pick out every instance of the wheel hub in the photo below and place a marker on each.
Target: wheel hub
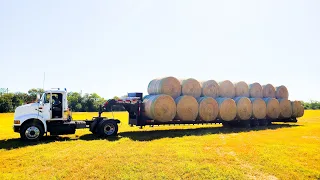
(109, 129)
(32, 132)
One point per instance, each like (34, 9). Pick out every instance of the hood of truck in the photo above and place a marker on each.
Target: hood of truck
(26, 109)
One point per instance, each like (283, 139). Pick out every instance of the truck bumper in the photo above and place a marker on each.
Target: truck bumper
(16, 129)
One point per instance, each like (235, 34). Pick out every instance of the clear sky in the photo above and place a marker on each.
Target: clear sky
(115, 47)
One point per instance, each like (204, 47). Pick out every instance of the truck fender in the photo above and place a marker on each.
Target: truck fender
(27, 117)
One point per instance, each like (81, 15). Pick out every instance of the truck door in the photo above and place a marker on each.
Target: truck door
(45, 109)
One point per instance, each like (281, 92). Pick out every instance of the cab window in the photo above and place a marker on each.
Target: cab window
(46, 98)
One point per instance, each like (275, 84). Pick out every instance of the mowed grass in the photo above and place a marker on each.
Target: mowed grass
(281, 151)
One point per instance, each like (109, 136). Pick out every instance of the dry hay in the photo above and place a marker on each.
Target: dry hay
(268, 91)
(187, 108)
(285, 108)
(227, 109)
(273, 108)
(210, 88)
(255, 90)
(167, 85)
(297, 109)
(190, 87)
(242, 89)
(244, 108)
(208, 109)
(282, 92)
(301, 111)
(226, 89)
(259, 108)
(160, 107)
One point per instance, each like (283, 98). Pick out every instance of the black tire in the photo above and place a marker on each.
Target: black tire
(263, 122)
(31, 131)
(107, 128)
(254, 123)
(246, 124)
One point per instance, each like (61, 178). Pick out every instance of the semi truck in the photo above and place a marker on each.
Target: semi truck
(51, 114)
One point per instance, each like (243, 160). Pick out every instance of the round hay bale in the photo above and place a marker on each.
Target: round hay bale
(295, 108)
(226, 89)
(282, 92)
(301, 111)
(242, 89)
(285, 108)
(160, 107)
(244, 108)
(255, 90)
(146, 97)
(268, 91)
(167, 85)
(210, 88)
(208, 108)
(227, 109)
(187, 108)
(273, 108)
(259, 108)
(190, 87)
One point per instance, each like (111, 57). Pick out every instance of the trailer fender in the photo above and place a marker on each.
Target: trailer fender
(116, 120)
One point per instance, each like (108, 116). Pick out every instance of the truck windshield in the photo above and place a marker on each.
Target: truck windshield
(42, 99)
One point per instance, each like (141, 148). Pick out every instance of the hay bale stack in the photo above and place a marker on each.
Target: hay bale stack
(297, 109)
(268, 91)
(282, 92)
(160, 107)
(285, 108)
(167, 85)
(273, 108)
(190, 87)
(244, 108)
(208, 109)
(226, 89)
(210, 88)
(242, 89)
(187, 108)
(227, 109)
(255, 90)
(259, 108)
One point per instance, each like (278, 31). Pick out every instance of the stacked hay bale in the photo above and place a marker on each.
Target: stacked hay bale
(208, 108)
(259, 108)
(160, 107)
(187, 108)
(191, 100)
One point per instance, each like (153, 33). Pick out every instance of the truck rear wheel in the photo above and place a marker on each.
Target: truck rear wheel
(31, 131)
(108, 128)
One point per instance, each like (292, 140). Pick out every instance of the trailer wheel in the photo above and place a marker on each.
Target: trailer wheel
(108, 128)
(31, 131)
(254, 122)
(263, 122)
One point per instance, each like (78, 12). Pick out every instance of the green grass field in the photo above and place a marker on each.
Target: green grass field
(281, 151)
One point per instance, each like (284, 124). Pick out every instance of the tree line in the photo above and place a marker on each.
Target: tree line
(77, 102)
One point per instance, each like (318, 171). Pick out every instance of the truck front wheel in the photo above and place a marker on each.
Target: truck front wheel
(108, 128)
(31, 131)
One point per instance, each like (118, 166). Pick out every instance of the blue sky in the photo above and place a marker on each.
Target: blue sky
(115, 47)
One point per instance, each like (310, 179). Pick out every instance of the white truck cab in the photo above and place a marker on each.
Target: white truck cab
(31, 120)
